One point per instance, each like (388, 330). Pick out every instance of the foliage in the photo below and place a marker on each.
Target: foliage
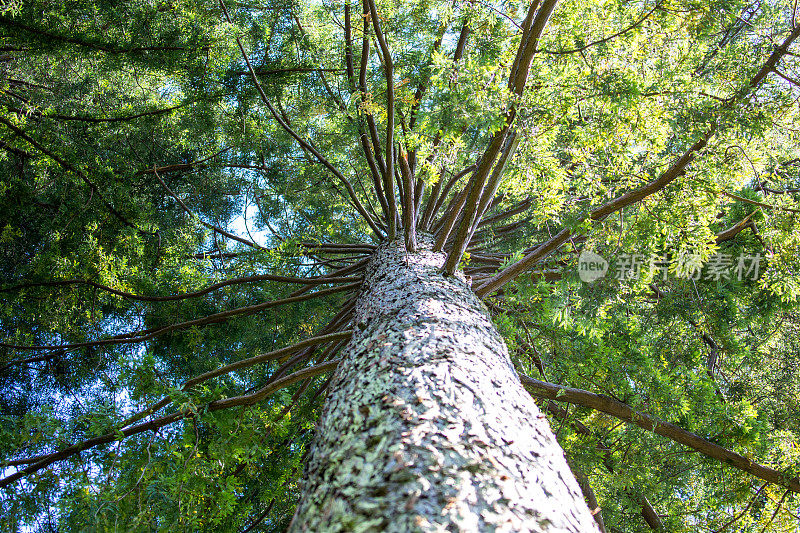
(134, 144)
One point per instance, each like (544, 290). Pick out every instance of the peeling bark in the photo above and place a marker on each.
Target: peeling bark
(427, 426)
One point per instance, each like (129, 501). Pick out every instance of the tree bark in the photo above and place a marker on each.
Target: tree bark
(426, 426)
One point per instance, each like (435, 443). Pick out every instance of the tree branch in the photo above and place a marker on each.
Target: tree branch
(388, 67)
(733, 520)
(282, 383)
(187, 295)
(588, 494)
(760, 204)
(528, 46)
(624, 412)
(103, 47)
(141, 336)
(288, 70)
(677, 169)
(610, 37)
(409, 214)
(277, 354)
(204, 223)
(375, 172)
(69, 167)
(95, 120)
(302, 142)
(177, 167)
(433, 207)
(737, 228)
(516, 209)
(153, 425)
(472, 217)
(239, 365)
(469, 211)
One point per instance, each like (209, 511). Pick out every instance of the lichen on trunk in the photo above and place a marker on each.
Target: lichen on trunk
(426, 426)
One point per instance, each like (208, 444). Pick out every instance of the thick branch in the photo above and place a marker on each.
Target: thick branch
(470, 213)
(178, 167)
(529, 45)
(277, 354)
(470, 201)
(677, 169)
(282, 383)
(737, 228)
(375, 172)
(388, 67)
(514, 270)
(516, 209)
(16, 151)
(339, 248)
(455, 209)
(409, 215)
(526, 27)
(373, 128)
(624, 412)
(433, 207)
(469, 224)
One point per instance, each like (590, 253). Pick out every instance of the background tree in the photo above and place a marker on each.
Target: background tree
(190, 198)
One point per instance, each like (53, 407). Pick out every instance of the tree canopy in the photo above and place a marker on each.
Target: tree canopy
(190, 192)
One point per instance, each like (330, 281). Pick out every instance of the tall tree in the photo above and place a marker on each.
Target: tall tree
(226, 224)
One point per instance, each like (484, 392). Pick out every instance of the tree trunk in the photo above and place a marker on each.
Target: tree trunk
(426, 425)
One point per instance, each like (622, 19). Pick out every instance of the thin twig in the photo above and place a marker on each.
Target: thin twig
(145, 335)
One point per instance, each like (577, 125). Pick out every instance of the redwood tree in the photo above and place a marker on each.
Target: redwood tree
(224, 225)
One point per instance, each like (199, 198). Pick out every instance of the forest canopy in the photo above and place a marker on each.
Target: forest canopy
(190, 192)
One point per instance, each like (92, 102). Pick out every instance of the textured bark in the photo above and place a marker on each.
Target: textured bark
(426, 426)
